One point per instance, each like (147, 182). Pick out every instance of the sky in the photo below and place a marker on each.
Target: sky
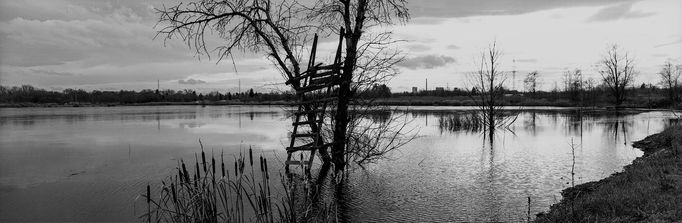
(110, 45)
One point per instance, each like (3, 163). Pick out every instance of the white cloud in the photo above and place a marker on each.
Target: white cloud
(426, 62)
(191, 81)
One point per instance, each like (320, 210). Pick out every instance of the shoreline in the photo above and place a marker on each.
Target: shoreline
(649, 189)
(289, 103)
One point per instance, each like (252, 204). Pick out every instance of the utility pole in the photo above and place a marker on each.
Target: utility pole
(514, 75)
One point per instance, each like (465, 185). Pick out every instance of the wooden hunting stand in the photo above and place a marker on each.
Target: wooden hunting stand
(315, 89)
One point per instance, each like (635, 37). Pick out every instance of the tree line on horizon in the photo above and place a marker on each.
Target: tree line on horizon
(31, 94)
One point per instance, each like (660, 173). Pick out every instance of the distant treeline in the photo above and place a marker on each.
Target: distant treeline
(30, 94)
(643, 95)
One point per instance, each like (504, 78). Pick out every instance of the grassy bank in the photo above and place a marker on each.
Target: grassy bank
(648, 190)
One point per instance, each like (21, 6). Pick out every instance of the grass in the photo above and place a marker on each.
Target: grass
(461, 122)
(209, 191)
(648, 190)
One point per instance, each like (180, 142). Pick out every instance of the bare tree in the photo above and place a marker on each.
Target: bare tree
(573, 84)
(617, 70)
(532, 82)
(670, 75)
(488, 80)
(280, 30)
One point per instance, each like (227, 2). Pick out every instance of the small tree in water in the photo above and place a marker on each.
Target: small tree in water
(489, 81)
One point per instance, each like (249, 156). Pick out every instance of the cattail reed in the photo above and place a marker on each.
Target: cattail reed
(184, 170)
(265, 163)
(175, 195)
(199, 197)
(203, 161)
(250, 156)
(261, 164)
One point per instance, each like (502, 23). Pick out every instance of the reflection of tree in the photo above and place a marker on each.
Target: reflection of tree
(618, 126)
(531, 123)
(672, 122)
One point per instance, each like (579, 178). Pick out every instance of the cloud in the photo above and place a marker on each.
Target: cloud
(530, 60)
(426, 62)
(465, 8)
(620, 11)
(51, 72)
(191, 81)
(418, 47)
(453, 47)
(669, 43)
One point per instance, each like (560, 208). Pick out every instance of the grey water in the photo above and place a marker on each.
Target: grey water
(91, 164)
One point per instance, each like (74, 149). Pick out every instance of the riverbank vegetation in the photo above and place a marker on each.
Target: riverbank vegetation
(643, 96)
(648, 190)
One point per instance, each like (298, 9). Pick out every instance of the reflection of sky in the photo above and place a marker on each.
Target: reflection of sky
(61, 158)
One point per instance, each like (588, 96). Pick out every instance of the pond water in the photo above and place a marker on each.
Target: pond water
(90, 164)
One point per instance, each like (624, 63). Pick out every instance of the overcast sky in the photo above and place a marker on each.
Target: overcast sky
(109, 45)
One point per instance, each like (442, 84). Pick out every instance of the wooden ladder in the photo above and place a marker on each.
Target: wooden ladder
(315, 92)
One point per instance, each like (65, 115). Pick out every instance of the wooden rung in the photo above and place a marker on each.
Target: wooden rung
(330, 66)
(296, 162)
(324, 80)
(314, 74)
(307, 122)
(304, 135)
(309, 146)
(324, 73)
(308, 112)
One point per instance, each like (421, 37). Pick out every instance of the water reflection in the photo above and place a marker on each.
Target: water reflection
(453, 172)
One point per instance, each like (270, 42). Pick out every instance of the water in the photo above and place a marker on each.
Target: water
(90, 164)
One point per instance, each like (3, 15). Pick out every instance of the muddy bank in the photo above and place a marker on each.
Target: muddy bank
(648, 190)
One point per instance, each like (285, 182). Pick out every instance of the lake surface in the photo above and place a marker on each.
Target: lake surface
(90, 164)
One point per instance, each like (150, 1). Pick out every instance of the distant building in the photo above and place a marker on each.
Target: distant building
(414, 90)
(440, 89)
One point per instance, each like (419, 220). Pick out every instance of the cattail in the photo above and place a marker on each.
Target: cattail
(250, 156)
(222, 167)
(184, 170)
(196, 165)
(265, 163)
(213, 165)
(235, 169)
(175, 197)
(203, 161)
(261, 164)
(148, 194)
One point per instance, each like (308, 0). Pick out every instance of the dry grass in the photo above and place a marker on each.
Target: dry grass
(649, 190)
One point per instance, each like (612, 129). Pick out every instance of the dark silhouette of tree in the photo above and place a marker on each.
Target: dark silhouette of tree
(251, 93)
(573, 84)
(670, 76)
(617, 70)
(281, 30)
(531, 82)
(489, 80)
